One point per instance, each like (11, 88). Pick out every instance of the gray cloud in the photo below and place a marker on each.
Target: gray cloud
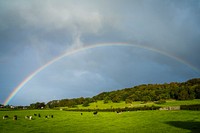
(34, 32)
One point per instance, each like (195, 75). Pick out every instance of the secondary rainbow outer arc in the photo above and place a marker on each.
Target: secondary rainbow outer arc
(73, 51)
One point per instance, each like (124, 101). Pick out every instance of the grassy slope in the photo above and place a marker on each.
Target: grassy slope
(137, 121)
(101, 105)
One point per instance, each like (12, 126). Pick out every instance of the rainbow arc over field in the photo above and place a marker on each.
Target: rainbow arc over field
(77, 50)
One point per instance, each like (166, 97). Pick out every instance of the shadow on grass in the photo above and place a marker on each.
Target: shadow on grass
(193, 126)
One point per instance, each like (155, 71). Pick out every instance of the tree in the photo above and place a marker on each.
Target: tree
(197, 91)
(183, 95)
(116, 99)
(134, 97)
(86, 104)
(146, 98)
(191, 92)
(106, 99)
(37, 105)
(128, 100)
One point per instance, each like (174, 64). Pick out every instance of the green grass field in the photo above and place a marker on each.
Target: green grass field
(101, 105)
(136, 121)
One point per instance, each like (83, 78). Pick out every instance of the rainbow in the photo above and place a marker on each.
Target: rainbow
(74, 51)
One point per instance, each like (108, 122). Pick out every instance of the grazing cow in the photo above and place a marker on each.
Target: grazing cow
(5, 117)
(95, 113)
(15, 117)
(51, 116)
(29, 117)
(39, 115)
(46, 116)
(35, 114)
(118, 112)
(81, 113)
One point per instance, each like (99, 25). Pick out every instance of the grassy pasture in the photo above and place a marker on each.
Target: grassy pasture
(101, 105)
(136, 121)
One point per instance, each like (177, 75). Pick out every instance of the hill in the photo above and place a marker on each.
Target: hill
(147, 92)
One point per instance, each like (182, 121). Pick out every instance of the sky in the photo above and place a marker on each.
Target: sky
(163, 40)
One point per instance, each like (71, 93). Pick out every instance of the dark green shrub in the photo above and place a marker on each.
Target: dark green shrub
(190, 107)
(160, 102)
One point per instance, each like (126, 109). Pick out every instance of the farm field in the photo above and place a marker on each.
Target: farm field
(101, 105)
(136, 121)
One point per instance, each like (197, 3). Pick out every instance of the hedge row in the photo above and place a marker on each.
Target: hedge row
(116, 109)
(190, 107)
(5, 109)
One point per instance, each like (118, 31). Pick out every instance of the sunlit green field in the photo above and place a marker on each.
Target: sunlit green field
(136, 121)
(101, 105)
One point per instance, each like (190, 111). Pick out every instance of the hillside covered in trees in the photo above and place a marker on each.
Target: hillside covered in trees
(146, 92)
(154, 92)
(157, 93)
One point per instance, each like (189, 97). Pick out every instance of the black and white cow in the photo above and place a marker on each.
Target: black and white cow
(95, 113)
(29, 117)
(5, 117)
(15, 117)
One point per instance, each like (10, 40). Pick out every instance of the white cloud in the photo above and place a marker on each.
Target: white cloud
(51, 16)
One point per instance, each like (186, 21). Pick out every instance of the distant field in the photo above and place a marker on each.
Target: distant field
(136, 121)
(101, 105)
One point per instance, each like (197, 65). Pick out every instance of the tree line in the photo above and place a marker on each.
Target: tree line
(146, 92)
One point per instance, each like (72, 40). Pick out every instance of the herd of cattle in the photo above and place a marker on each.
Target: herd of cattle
(30, 117)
